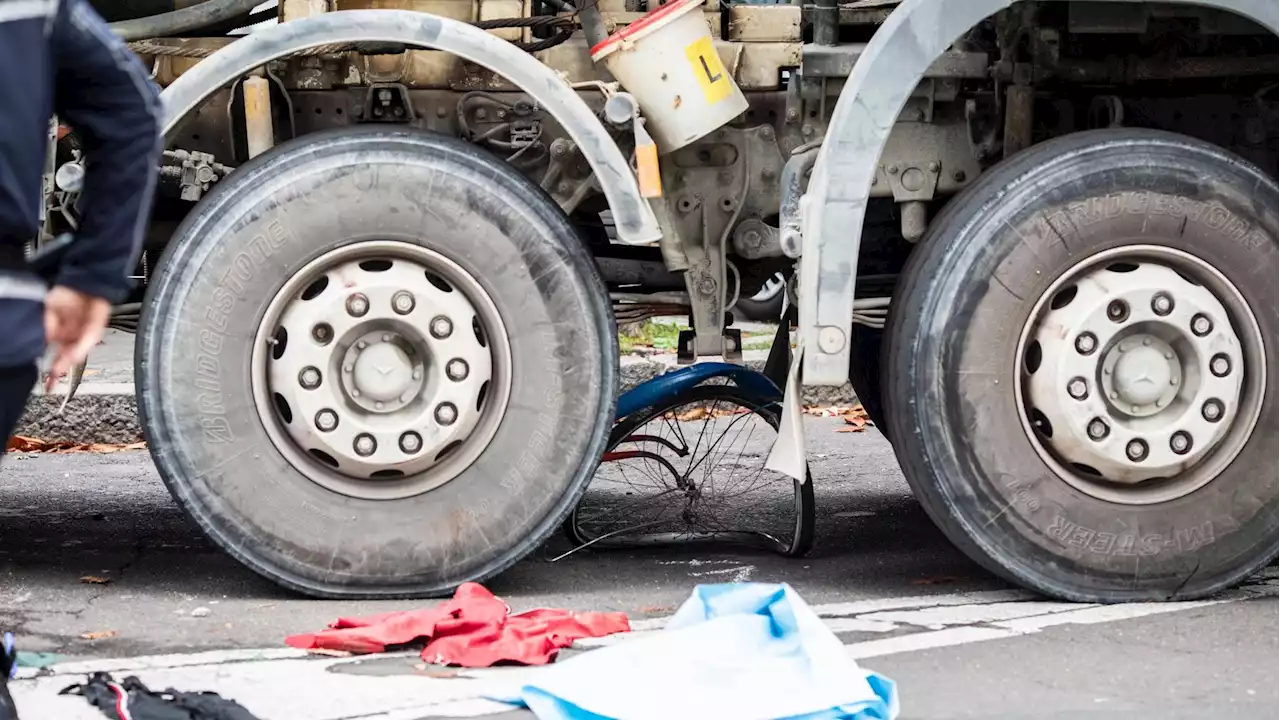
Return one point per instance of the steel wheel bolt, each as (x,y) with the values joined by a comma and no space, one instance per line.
(410,442)
(1136,450)
(326,420)
(1086,343)
(365,445)
(1201,325)
(1220,365)
(1212,410)
(357,305)
(402,302)
(1078,388)
(1161,304)
(457,369)
(1118,311)
(441,327)
(1098,429)
(309,378)
(446,413)
(1180,442)
(322,333)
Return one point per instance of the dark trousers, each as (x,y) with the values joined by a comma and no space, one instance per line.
(15,387)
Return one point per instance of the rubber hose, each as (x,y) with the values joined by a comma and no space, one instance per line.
(183,20)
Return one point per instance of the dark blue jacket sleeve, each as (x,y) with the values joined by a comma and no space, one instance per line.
(107,97)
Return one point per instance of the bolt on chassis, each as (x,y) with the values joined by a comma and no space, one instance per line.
(376,349)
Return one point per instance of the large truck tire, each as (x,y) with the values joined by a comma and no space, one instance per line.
(1081,378)
(377,363)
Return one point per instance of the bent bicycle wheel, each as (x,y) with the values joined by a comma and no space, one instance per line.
(692,469)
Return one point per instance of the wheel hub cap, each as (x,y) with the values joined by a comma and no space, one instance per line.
(1140,375)
(1133,374)
(383,377)
(385,369)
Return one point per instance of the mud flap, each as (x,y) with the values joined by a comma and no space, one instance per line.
(788,453)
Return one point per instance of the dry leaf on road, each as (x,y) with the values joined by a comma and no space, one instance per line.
(95,580)
(855,416)
(98,635)
(22,443)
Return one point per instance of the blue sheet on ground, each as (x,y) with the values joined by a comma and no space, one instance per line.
(739,650)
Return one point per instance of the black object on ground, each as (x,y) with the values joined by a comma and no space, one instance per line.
(8,659)
(131,700)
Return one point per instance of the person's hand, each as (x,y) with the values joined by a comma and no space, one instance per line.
(73,322)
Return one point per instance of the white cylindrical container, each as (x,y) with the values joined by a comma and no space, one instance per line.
(668,61)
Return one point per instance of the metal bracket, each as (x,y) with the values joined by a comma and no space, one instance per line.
(713,186)
(567,192)
(731,339)
(754,239)
(387,103)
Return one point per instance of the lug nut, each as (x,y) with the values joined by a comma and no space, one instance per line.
(309,378)
(1086,343)
(1201,325)
(1136,450)
(1098,429)
(322,333)
(441,327)
(402,302)
(411,442)
(1180,442)
(1212,410)
(357,305)
(446,413)
(1078,388)
(326,420)
(457,369)
(365,445)
(1118,311)
(1220,365)
(1161,303)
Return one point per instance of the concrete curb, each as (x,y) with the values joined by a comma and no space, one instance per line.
(108,412)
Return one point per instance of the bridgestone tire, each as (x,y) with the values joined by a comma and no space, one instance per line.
(310,196)
(969,289)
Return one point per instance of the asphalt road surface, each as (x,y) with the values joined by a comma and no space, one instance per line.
(978,649)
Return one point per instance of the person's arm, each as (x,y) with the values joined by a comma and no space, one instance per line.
(106,96)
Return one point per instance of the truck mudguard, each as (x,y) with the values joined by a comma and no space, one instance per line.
(916,33)
(634,219)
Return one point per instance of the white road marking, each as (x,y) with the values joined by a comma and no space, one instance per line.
(280,683)
(738,574)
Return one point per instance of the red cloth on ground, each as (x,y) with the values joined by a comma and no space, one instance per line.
(474,629)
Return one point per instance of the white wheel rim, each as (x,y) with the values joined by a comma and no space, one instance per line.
(381,370)
(1141,374)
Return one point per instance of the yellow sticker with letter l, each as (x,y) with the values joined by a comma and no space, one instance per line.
(706,65)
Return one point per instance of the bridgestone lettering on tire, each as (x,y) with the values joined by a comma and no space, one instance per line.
(1091,485)
(358,531)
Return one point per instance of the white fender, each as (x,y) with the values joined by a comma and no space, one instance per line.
(833,209)
(635,220)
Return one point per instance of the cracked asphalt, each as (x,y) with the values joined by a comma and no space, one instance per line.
(69,521)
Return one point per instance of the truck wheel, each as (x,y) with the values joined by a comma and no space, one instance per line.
(1081,379)
(377,364)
